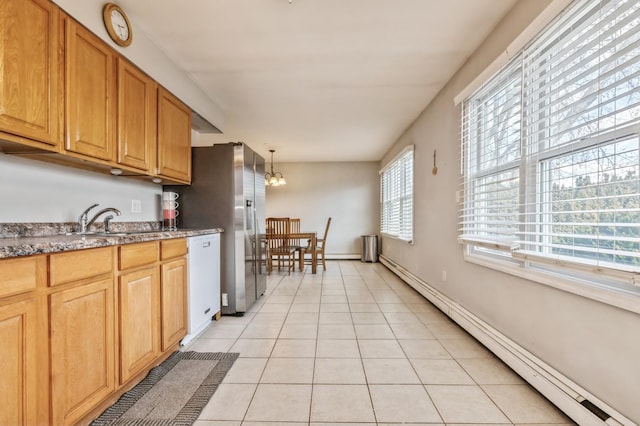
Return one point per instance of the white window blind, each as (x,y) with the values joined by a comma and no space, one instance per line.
(576,184)
(396,196)
(491,151)
(581,115)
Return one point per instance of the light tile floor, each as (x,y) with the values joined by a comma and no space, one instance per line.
(356,346)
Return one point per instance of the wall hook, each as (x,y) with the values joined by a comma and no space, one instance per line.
(434,171)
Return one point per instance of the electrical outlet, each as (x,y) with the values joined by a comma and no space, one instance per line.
(444,275)
(225,299)
(136,206)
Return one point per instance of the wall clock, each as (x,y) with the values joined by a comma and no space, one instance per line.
(117,24)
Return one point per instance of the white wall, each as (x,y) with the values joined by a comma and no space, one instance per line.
(33,191)
(594,344)
(347,192)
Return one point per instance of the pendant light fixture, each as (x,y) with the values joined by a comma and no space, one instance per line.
(273,178)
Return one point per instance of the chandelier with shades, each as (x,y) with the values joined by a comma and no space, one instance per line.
(273,178)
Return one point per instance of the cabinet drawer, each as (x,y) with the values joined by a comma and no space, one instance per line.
(80,264)
(134,255)
(173,248)
(21,275)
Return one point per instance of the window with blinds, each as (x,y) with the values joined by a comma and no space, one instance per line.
(551,150)
(491,150)
(396,196)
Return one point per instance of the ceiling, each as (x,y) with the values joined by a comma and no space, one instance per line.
(317,80)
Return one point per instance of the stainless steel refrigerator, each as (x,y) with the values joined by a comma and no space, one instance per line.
(227,190)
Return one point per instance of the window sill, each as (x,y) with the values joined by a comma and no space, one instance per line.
(610,295)
(394,237)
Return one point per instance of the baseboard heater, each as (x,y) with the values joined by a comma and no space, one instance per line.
(577,403)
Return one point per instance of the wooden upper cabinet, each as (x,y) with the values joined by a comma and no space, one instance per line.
(174,138)
(137,111)
(30,98)
(90,95)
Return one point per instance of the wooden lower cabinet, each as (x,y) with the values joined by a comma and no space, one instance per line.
(173,301)
(139,320)
(18,350)
(78,333)
(82,349)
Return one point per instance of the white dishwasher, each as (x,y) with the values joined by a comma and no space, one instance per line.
(203,288)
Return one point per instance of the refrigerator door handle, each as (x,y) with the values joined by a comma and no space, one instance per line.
(249,215)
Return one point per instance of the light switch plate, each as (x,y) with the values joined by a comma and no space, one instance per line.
(136,206)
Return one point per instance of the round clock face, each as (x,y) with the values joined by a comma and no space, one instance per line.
(119,25)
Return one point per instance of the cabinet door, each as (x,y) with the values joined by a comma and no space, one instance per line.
(139,294)
(18,381)
(29,71)
(174,137)
(137,114)
(173,302)
(82,349)
(90,94)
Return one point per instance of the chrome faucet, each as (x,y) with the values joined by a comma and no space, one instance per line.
(83,219)
(107,223)
(85,222)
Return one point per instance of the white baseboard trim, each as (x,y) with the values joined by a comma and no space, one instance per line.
(567,395)
(343,256)
(340,256)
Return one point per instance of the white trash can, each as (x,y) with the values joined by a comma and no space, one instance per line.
(369,248)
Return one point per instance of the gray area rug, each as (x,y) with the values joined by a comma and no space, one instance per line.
(173,393)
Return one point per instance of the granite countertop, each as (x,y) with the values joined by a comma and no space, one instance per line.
(15,246)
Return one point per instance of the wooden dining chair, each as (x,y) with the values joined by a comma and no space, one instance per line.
(278,243)
(320,247)
(294,243)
